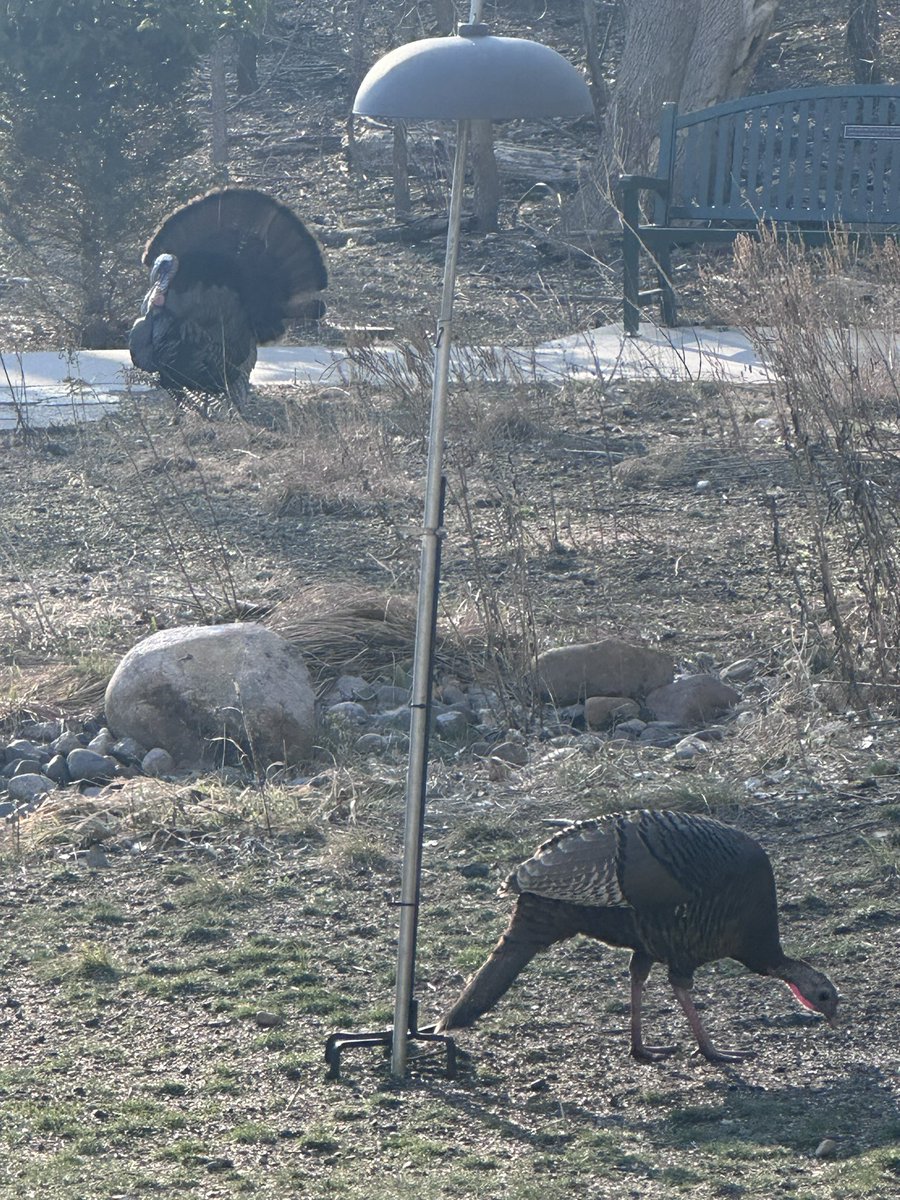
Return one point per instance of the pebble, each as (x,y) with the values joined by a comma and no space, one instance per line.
(348,712)
(740,671)
(57,769)
(452,693)
(48,754)
(389,696)
(102,743)
(66,743)
(631,728)
(128,751)
(22,748)
(42,731)
(658,733)
(475,870)
(395,718)
(88,764)
(371,743)
(29,789)
(826,1148)
(349,687)
(96,858)
(157,762)
(452,724)
(23,766)
(511,752)
(691,747)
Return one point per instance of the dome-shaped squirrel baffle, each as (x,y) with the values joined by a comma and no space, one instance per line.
(473,75)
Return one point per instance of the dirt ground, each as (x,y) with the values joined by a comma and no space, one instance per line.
(163,1019)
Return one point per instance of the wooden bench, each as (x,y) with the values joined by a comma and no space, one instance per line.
(803,163)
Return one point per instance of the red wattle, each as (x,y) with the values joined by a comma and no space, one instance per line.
(799,995)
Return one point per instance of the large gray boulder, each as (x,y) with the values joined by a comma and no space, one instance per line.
(207,693)
(568,674)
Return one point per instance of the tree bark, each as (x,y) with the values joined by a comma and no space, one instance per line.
(218,103)
(400,171)
(360,51)
(695,52)
(245,61)
(486,177)
(595,42)
(444,16)
(864,41)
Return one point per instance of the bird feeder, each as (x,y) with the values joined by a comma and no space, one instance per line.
(471,75)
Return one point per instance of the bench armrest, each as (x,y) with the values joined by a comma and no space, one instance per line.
(629,191)
(643,183)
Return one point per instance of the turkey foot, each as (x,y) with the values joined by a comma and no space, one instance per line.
(652,1054)
(704,1045)
(711,1054)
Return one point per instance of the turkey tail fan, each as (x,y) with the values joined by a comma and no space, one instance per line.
(254,244)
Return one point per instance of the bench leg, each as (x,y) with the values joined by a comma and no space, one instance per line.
(631,263)
(668,303)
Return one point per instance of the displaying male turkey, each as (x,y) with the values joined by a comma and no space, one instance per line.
(228,270)
(673,888)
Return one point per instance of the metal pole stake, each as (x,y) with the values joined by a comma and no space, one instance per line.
(423,655)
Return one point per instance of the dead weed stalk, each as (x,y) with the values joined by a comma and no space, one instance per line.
(827,324)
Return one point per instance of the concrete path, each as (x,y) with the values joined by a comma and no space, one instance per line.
(48,388)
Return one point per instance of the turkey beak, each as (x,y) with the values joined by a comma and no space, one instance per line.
(155,298)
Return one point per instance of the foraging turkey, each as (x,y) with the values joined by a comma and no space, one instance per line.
(673,888)
(228,270)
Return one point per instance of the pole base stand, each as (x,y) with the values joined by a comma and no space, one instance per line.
(338,1042)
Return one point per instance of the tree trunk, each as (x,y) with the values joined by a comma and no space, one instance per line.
(245,62)
(487,180)
(360,54)
(864,41)
(218,102)
(595,43)
(444,16)
(400,171)
(695,52)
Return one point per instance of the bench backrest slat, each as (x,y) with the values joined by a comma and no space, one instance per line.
(892,180)
(878,174)
(750,178)
(810,155)
(816,167)
(666,155)
(829,201)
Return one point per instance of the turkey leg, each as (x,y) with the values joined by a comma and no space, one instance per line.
(640,968)
(704,1045)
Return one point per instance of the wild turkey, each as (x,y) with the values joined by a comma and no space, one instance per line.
(228,270)
(673,888)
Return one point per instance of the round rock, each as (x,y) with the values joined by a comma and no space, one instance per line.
(201,691)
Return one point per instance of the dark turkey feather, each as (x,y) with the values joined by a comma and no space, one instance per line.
(673,888)
(228,270)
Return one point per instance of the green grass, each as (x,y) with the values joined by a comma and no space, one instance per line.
(153,1069)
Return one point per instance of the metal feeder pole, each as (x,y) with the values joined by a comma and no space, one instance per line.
(429,582)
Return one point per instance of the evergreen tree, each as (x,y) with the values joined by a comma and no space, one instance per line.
(92,117)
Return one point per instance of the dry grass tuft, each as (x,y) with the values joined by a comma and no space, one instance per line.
(371,633)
